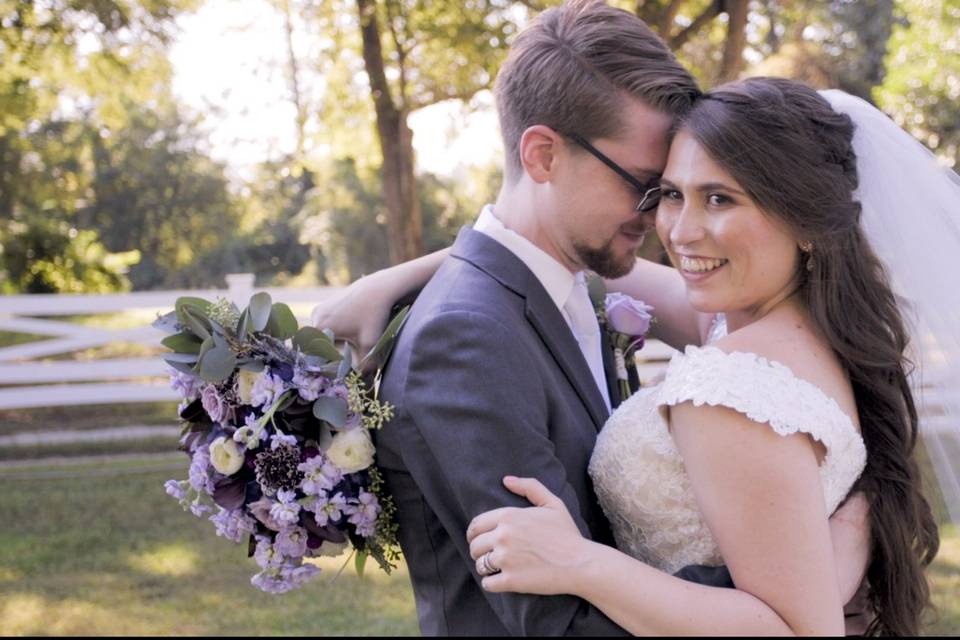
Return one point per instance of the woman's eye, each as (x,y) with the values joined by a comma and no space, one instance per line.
(718,199)
(671,194)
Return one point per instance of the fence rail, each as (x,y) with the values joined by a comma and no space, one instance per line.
(30,382)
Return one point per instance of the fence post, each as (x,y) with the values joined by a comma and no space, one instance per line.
(240,287)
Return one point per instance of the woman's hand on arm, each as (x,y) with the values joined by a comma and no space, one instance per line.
(538,549)
(761,496)
(359,313)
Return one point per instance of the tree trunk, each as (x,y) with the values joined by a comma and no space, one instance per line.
(735,41)
(404,223)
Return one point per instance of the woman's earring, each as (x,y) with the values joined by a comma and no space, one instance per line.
(807,247)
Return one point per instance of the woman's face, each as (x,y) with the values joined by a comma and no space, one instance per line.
(733,257)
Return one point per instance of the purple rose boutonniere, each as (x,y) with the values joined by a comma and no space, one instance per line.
(626,321)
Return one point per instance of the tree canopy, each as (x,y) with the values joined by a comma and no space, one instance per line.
(107,182)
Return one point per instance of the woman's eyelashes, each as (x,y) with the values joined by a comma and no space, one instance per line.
(711,199)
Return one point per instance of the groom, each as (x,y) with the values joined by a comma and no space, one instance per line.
(499,369)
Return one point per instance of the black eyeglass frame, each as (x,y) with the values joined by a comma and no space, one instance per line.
(651,195)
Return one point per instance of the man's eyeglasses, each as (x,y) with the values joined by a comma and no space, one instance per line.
(651,195)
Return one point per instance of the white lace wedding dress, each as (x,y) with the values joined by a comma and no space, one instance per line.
(638,473)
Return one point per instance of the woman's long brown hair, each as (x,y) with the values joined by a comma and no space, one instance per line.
(793,154)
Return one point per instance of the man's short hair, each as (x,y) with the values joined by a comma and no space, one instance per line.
(575,66)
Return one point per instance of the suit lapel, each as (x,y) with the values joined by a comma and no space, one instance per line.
(501,264)
(556,335)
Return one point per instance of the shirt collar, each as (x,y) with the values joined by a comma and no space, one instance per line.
(555,278)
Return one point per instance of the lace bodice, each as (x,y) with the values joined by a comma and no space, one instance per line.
(638,473)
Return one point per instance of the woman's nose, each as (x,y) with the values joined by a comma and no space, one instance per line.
(687,226)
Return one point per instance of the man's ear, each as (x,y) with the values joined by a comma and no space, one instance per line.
(539,150)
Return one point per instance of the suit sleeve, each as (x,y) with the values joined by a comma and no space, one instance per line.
(480,413)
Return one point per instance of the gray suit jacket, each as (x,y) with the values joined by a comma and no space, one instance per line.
(488,380)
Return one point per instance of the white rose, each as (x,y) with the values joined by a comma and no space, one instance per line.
(225,456)
(245,381)
(352,450)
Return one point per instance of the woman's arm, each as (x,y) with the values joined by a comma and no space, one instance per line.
(761,496)
(359,313)
(678,324)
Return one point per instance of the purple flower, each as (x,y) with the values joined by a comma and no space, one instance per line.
(266,389)
(234,525)
(199,474)
(287,511)
(185,384)
(251,434)
(176,489)
(199,510)
(285,578)
(266,554)
(261,511)
(328,509)
(309,386)
(364,512)
(627,315)
(280,440)
(319,475)
(292,542)
(341,391)
(215,406)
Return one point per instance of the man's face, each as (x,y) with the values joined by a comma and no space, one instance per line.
(595,224)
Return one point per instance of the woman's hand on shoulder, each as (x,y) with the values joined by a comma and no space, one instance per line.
(358,313)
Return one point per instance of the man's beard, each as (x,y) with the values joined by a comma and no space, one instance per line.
(603,261)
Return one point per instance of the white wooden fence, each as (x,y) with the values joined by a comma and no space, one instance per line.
(29,382)
(26,381)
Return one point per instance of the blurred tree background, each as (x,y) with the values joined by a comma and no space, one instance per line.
(107,182)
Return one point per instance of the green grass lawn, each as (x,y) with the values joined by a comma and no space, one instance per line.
(105,551)
(102,550)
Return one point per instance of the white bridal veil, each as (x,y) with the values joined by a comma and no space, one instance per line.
(911,216)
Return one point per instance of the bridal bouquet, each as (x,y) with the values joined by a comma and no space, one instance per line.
(276,422)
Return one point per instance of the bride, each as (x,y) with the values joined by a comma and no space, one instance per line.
(797,394)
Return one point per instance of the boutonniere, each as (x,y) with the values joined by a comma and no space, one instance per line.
(626,322)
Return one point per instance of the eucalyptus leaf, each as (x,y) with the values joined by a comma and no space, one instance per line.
(167,323)
(243,325)
(188,358)
(324,349)
(360,562)
(194,323)
(306,334)
(218,338)
(199,306)
(205,346)
(314,361)
(597,290)
(260,307)
(346,363)
(183,342)
(252,365)
(217,364)
(325,438)
(216,328)
(282,323)
(331,409)
(378,356)
(183,367)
